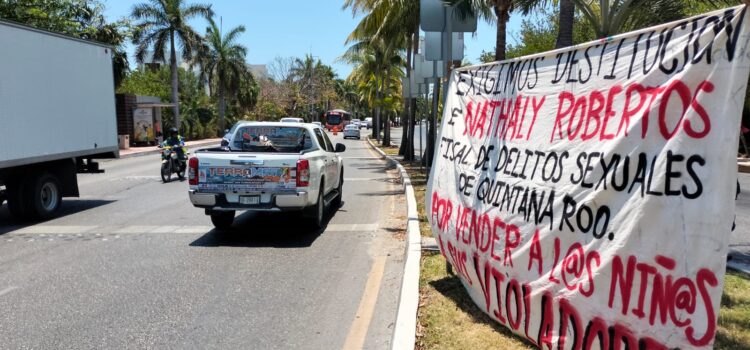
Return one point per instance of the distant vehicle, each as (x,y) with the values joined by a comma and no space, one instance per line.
(337,118)
(272,167)
(368,122)
(318,124)
(292,120)
(352,131)
(57,110)
(359,123)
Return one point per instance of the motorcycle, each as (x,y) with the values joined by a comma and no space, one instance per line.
(172,164)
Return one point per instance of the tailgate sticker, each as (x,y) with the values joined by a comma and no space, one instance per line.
(246,177)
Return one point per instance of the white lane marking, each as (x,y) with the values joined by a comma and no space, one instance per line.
(165,229)
(352,227)
(47,231)
(41,229)
(7,290)
(137,178)
(136,229)
(194,229)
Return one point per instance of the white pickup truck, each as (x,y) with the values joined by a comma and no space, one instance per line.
(269,166)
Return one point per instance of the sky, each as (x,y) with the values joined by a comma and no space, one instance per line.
(294,28)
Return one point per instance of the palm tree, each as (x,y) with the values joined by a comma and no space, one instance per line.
(610,17)
(394,22)
(307,72)
(565,23)
(165,22)
(378,62)
(222,62)
(566,17)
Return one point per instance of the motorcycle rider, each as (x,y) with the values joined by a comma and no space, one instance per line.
(177,143)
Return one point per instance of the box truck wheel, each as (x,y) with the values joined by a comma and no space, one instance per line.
(16,206)
(43,196)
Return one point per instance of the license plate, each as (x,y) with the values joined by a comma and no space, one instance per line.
(249,200)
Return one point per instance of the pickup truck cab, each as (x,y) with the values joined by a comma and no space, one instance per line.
(269,166)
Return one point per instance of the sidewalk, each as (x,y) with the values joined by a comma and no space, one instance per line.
(140,151)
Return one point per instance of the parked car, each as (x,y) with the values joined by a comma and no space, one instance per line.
(351,130)
(271,167)
(368,122)
(292,120)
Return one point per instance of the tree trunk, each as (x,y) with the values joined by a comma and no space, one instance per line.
(387,130)
(387,121)
(502,9)
(175,81)
(404,129)
(413,102)
(567,16)
(410,121)
(222,108)
(405,121)
(376,125)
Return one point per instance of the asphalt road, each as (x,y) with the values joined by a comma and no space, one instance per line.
(420,128)
(131,264)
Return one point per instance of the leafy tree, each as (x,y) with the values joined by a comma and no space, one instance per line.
(315,83)
(222,61)
(540,34)
(377,65)
(566,17)
(78,18)
(247,94)
(610,17)
(165,22)
(395,22)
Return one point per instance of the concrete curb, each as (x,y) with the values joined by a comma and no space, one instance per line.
(156,151)
(404,333)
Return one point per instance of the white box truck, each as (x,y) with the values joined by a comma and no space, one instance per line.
(57,113)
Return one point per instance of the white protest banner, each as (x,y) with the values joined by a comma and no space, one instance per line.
(585,197)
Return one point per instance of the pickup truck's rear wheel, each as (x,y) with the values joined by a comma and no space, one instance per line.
(222,219)
(320,208)
(339,198)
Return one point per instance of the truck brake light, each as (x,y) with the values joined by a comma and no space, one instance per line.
(303,173)
(193,171)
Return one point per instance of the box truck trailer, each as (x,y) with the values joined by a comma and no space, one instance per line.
(57,114)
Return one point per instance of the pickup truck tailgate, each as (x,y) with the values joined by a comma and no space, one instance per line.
(246,172)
